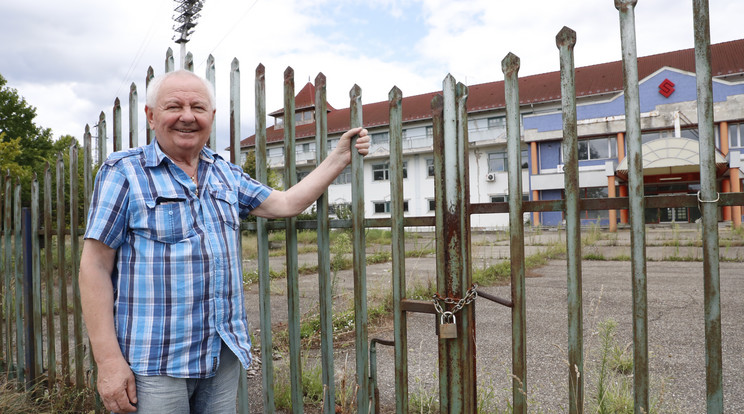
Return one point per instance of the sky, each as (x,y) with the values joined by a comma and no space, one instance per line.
(71,59)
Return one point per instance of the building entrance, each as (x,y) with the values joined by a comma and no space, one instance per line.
(672,214)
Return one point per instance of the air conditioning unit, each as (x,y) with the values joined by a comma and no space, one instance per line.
(491,177)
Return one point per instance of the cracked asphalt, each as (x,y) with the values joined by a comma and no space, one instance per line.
(676,335)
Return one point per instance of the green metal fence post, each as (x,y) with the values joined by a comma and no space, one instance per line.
(149,133)
(75,262)
(18,240)
(9,278)
(133,121)
(457,356)
(708,198)
(210,75)
(359,258)
(565,40)
(262,236)
(293,294)
(170,63)
(49,280)
(637,203)
(38,355)
(61,274)
(510,66)
(325,285)
(395,98)
(117,125)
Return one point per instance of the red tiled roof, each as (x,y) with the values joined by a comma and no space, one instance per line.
(304,99)
(727,58)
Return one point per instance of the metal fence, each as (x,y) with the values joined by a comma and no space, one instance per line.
(41,300)
(24,334)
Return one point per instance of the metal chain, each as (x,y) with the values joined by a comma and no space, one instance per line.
(470,296)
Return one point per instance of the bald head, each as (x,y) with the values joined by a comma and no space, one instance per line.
(153,89)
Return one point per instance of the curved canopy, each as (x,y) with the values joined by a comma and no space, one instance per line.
(671,156)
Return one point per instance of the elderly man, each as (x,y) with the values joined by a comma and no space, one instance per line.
(160,275)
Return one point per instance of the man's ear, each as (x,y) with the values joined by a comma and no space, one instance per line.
(148,116)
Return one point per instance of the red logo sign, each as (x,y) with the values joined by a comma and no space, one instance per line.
(666,88)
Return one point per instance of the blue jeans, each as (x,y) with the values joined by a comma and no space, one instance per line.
(167,395)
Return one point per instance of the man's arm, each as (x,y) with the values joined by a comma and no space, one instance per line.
(297,198)
(115,379)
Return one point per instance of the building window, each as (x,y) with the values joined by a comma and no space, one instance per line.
(275,152)
(430,132)
(279,122)
(304,117)
(594,192)
(432,204)
(381,172)
(497,161)
(690,133)
(344,177)
(736,135)
(503,198)
(380,138)
(430,167)
(498,122)
(305,148)
(597,149)
(384,206)
(332,144)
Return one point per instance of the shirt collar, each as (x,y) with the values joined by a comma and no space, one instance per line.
(154,155)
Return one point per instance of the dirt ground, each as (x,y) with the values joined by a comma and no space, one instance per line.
(675,327)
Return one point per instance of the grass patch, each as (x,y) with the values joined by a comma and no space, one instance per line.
(594,256)
(312,384)
(379,236)
(421,290)
(379,257)
(62,400)
(613,391)
(682,259)
(418,253)
(490,275)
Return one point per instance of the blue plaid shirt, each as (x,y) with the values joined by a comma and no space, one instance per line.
(178,288)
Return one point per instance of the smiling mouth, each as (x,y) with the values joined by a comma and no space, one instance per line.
(186,131)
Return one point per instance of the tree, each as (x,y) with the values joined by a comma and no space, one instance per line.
(26,148)
(17,123)
(249,166)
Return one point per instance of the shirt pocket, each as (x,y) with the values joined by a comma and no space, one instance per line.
(167,219)
(226,206)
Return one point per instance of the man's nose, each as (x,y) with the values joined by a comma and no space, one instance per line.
(187,115)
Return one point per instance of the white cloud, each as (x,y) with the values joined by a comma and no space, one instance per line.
(72,59)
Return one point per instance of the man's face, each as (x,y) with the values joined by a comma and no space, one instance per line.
(182,116)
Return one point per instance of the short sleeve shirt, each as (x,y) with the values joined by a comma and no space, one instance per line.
(178,288)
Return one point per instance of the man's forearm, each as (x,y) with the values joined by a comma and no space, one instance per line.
(97,299)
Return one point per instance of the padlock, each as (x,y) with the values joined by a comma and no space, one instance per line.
(447,326)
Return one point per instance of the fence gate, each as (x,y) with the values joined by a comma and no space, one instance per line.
(452,306)
(457,374)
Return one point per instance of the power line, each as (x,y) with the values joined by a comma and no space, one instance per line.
(237,22)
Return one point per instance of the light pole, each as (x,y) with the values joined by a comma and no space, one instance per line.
(187,13)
